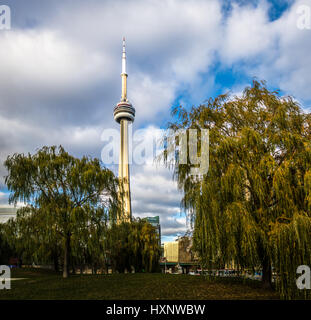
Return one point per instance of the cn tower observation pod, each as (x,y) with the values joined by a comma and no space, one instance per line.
(124,110)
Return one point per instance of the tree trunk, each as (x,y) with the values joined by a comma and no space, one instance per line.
(73,269)
(73,266)
(266,273)
(56,264)
(66,257)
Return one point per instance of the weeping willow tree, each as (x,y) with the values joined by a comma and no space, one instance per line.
(65,196)
(7,250)
(90,240)
(133,245)
(34,236)
(253,205)
(145,245)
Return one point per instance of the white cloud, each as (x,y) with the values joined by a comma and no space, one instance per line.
(277,51)
(154,193)
(150,97)
(60,67)
(248,33)
(291,67)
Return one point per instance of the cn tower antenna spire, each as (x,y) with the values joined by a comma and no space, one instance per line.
(124,58)
(124,74)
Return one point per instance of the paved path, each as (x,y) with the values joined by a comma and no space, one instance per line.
(13,279)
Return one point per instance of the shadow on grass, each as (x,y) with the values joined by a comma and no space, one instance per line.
(47,285)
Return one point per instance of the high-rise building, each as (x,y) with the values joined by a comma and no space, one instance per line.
(155,222)
(124,113)
(179,250)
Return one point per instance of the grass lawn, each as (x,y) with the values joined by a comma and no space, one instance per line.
(45,284)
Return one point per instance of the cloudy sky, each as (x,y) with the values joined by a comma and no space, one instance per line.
(61,63)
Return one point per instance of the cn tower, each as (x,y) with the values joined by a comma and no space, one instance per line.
(124,113)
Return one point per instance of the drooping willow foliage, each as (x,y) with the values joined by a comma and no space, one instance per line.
(70,217)
(95,244)
(134,246)
(63,194)
(34,237)
(253,206)
(6,250)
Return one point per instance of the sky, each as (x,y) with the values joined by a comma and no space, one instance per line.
(61,63)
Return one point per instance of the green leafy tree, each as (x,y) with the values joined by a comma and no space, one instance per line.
(34,236)
(253,205)
(133,245)
(6,249)
(144,244)
(89,242)
(63,191)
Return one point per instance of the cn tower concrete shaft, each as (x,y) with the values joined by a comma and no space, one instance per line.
(124,171)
